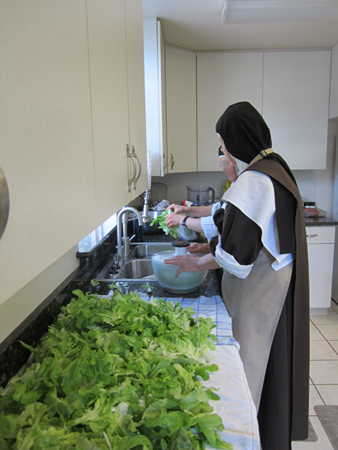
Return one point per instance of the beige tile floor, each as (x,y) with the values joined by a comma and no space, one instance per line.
(323,373)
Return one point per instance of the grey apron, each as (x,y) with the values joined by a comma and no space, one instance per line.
(255,304)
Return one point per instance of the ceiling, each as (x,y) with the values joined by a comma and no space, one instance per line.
(197,25)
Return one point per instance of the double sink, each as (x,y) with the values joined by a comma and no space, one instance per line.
(138,266)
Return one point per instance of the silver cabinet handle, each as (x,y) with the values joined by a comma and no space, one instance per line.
(165,161)
(311,235)
(139,167)
(172,161)
(130,180)
(4,202)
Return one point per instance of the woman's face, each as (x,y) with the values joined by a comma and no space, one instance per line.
(227,164)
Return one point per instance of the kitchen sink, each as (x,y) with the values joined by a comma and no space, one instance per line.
(133,269)
(147,250)
(137,269)
(138,265)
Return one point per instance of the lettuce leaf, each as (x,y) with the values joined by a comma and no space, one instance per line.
(161,220)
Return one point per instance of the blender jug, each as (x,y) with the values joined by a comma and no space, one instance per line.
(200,195)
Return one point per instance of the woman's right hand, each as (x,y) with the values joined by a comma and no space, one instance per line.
(177,208)
(173,219)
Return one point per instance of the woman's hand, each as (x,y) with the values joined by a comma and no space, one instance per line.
(186,263)
(177,208)
(173,219)
(198,248)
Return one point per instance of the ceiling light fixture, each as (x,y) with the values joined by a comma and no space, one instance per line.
(260,11)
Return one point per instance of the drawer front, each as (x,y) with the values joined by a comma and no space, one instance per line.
(320,235)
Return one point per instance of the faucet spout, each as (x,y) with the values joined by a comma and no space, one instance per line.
(123,248)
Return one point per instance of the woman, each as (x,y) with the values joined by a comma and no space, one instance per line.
(201,217)
(262,249)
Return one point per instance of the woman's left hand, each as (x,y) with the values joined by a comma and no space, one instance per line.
(186,263)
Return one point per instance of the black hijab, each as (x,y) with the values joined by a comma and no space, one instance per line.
(245,134)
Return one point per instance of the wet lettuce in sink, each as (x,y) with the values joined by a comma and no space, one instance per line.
(161,220)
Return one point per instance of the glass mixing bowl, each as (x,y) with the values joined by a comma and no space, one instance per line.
(165,274)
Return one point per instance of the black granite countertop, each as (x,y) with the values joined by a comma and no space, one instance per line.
(320,222)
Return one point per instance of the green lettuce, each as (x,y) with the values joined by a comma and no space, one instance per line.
(161,220)
(115,373)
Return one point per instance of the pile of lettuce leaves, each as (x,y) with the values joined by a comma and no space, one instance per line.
(115,373)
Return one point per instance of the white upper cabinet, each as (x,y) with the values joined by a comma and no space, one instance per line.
(334,84)
(223,79)
(290,89)
(109,97)
(296,86)
(181,110)
(46,147)
(72,99)
(154,73)
(118,107)
(136,96)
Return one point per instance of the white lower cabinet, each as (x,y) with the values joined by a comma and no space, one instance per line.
(321,255)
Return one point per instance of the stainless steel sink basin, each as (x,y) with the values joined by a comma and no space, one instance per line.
(147,250)
(137,269)
(138,266)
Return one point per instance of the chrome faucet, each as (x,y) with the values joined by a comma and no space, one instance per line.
(145,213)
(123,241)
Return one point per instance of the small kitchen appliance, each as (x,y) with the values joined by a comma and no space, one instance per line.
(201,195)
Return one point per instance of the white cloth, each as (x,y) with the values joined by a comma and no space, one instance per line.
(235,406)
(253,193)
(207,223)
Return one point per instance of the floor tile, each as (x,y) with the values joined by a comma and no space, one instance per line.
(331,318)
(315,334)
(324,372)
(320,350)
(334,344)
(315,399)
(323,442)
(329,393)
(330,332)
(334,306)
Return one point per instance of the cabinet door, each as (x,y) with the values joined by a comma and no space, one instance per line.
(109,96)
(154,72)
(321,253)
(334,84)
(296,88)
(137,118)
(181,110)
(223,79)
(46,138)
